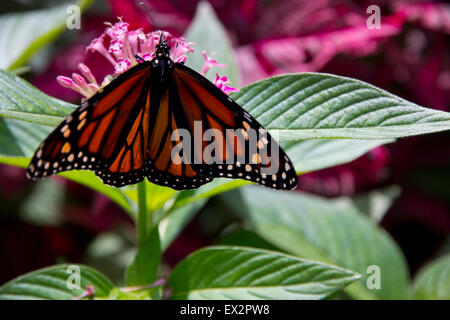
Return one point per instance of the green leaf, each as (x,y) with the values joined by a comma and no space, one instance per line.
(143,268)
(118,294)
(374,204)
(316,154)
(243,237)
(317,229)
(433,281)
(208,34)
(175,221)
(24,33)
(317,105)
(245,273)
(157,196)
(20,102)
(44,205)
(19,138)
(54,283)
(206,191)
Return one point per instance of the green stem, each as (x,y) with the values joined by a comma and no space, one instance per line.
(141,223)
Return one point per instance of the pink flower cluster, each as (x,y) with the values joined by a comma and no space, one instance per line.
(222,84)
(120,47)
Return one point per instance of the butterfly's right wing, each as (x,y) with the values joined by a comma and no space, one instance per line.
(233,144)
(165,166)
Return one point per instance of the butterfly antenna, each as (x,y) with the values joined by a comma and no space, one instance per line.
(144,8)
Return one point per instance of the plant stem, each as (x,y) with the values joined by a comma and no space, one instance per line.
(141,223)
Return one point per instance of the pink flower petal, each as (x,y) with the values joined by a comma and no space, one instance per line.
(122,66)
(67,82)
(209,62)
(221,83)
(124,45)
(86,72)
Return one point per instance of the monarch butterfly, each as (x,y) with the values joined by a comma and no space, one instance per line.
(128,130)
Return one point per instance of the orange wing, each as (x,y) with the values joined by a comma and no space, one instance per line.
(166,167)
(225,141)
(107,133)
(177,129)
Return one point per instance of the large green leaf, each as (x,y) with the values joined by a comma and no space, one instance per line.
(226,272)
(54,283)
(314,228)
(208,34)
(24,33)
(433,281)
(317,105)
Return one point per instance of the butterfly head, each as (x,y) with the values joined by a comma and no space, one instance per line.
(162,50)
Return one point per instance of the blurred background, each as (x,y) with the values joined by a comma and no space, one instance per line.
(55,220)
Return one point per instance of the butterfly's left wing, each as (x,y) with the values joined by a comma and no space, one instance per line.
(107,134)
(236,145)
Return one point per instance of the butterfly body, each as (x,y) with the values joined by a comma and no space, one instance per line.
(131,128)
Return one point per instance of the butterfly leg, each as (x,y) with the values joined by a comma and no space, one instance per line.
(139,58)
